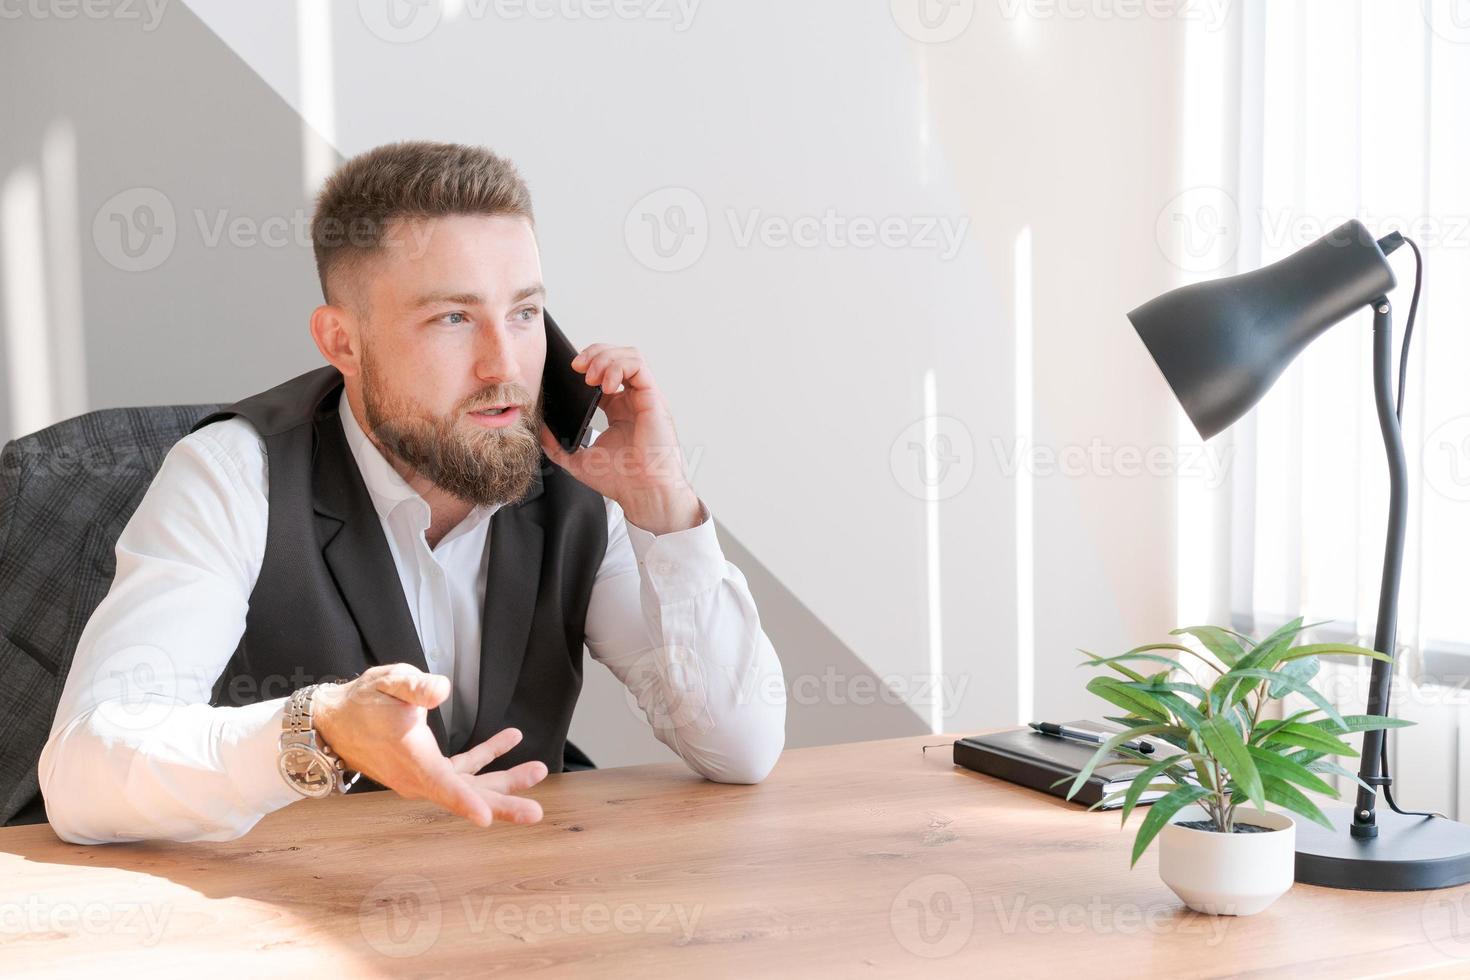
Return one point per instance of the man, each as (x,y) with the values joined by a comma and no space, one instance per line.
(388,566)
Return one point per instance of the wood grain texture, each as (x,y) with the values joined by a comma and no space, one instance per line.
(866,859)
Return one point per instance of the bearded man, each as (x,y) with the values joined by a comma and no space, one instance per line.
(383,573)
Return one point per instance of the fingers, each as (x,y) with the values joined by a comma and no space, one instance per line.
(515,779)
(484,799)
(407,683)
(513,809)
(610,367)
(553,449)
(473,759)
(447,788)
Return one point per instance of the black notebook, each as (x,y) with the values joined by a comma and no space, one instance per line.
(1029,758)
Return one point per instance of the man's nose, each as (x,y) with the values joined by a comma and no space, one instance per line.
(494,360)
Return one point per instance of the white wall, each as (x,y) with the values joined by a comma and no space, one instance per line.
(797,374)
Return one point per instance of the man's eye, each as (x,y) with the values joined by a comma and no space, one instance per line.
(451,317)
(528,314)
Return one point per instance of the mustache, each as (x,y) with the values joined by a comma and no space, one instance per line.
(500,394)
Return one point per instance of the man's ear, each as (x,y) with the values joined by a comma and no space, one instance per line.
(337,333)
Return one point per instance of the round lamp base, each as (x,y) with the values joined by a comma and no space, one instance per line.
(1409,853)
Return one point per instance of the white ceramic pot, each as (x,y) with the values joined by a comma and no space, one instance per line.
(1228,874)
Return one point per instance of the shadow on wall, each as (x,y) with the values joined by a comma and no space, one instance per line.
(154,245)
(832,695)
(155,249)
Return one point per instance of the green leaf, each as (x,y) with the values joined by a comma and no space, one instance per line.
(1229,689)
(1362,723)
(1096,661)
(1141,783)
(1131,674)
(1104,750)
(1292,684)
(1302,671)
(1336,770)
(1226,745)
(1222,643)
(1301,757)
(1175,740)
(1335,649)
(1288,796)
(1163,692)
(1273,766)
(1128,698)
(1159,814)
(1308,737)
(1267,727)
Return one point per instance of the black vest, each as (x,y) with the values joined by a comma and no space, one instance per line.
(329,603)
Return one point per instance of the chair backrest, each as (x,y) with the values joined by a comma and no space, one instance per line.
(66,493)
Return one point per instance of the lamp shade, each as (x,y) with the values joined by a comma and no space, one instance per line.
(1222,344)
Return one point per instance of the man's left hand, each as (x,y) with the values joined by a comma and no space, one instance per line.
(637,460)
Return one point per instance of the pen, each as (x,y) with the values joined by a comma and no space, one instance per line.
(1061,731)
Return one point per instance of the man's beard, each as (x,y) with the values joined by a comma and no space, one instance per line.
(479,466)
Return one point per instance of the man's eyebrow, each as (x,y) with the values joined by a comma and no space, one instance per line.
(474,299)
(528,291)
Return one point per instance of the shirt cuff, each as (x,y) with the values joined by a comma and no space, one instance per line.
(680,564)
(250,744)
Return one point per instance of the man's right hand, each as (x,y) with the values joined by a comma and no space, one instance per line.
(377,724)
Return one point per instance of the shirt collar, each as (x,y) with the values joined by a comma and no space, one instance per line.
(387,488)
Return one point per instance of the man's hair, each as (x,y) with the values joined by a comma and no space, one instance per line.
(359,203)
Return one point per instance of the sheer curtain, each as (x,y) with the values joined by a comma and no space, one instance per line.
(1362,109)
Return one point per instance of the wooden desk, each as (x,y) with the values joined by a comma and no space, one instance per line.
(856,860)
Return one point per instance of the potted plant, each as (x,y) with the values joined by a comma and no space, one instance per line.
(1221,850)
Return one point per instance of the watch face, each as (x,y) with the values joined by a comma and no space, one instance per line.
(307,771)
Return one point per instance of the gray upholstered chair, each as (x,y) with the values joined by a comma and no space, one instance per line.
(66,493)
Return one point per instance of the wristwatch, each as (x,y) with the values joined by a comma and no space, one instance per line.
(307,763)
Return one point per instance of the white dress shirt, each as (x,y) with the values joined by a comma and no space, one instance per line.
(137,752)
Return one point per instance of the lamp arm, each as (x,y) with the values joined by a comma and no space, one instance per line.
(1381,679)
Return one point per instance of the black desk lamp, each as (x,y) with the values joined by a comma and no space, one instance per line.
(1221,345)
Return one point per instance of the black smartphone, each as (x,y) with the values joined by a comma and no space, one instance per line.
(568,402)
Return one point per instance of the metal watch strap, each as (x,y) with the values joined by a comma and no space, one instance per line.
(296,727)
